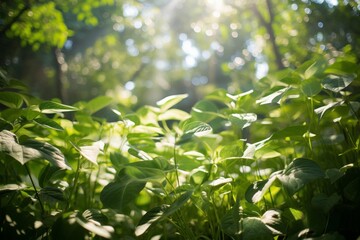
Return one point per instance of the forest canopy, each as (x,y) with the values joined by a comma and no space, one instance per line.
(76,50)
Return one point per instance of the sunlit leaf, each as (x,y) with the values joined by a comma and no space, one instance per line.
(48,123)
(274,221)
(242,120)
(337,83)
(170,101)
(274,97)
(149,218)
(30,150)
(97,104)
(174,114)
(321,110)
(89,221)
(55,107)
(195,128)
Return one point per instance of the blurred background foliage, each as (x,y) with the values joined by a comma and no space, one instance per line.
(140,51)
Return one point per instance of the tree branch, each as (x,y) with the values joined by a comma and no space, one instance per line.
(15,19)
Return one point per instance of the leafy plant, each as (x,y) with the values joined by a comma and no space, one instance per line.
(280,161)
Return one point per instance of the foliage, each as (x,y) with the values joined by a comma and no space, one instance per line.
(278,161)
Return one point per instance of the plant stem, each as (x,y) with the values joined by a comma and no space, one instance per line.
(77,173)
(176,165)
(36,192)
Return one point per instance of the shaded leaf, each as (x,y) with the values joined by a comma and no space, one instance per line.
(311,87)
(254,228)
(121,192)
(11,99)
(298,173)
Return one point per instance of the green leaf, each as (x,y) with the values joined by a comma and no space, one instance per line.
(89,220)
(342,68)
(11,187)
(254,228)
(274,221)
(46,173)
(321,110)
(90,152)
(274,97)
(55,107)
(256,191)
(149,218)
(170,101)
(324,202)
(11,99)
(336,83)
(97,104)
(51,195)
(121,192)
(311,87)
(139,153)
(178,203)
(230,222)
(292,131)
(298,173)
(205,111)
(30,150)
(48,123)
(195,128)
(242,120)
(174,114)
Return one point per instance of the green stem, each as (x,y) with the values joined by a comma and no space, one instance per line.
(176,164)
(36,192)
(77,174)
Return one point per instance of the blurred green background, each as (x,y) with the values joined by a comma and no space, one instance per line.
(140,51)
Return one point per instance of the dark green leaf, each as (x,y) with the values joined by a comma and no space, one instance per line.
(121,192)
(46,173)
(292,131)
(298,173)
(254,228)
(11,99)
